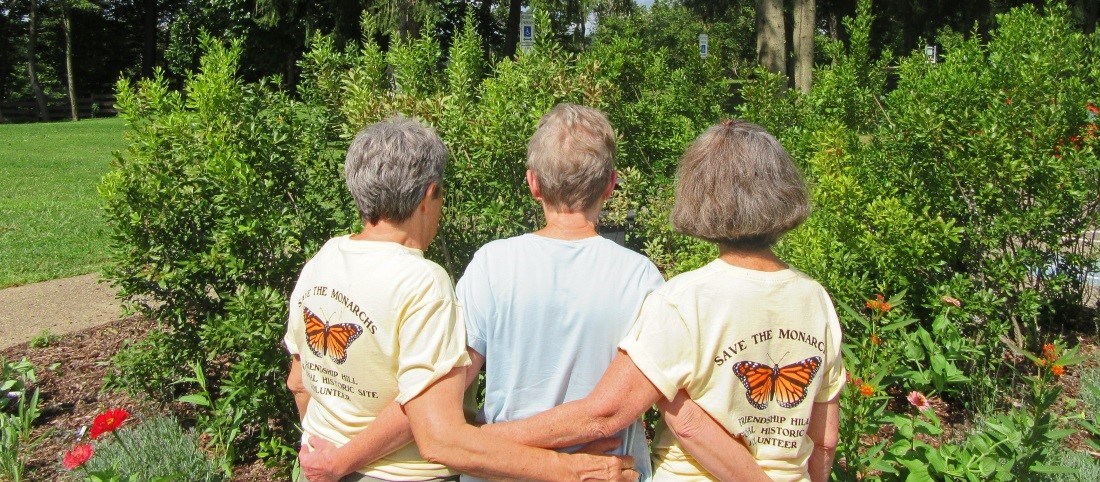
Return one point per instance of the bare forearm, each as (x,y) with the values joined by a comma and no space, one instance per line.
(389,432)
(621,396)
(722,455)
(821,464)
(443,437)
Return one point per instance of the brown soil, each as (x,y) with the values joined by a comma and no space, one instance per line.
(71,368)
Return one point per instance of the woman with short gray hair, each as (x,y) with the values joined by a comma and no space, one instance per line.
(754,343)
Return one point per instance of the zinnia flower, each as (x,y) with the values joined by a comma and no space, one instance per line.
(1058,370)
(77,456)
(866,390)
(108,421)
(917,399)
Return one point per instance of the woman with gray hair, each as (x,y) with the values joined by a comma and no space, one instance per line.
(375,334)
(754,343)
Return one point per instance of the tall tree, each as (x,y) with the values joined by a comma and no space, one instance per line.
(67,7)
(511,28)
(771,35)
(32,62)
(804,26)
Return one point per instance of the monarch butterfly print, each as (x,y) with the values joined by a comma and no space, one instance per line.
(786,385)
(331,340)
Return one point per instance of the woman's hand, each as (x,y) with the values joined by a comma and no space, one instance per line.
(316,459)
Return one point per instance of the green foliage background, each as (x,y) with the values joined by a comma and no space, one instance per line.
(975,178)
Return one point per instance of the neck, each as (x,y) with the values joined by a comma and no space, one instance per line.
(387,231)
(569,225)
(755,259)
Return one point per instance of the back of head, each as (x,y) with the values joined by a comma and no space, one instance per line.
(389,167)
(573,156)
(736,185)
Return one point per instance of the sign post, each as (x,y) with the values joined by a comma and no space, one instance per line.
(526,31)
(704,46)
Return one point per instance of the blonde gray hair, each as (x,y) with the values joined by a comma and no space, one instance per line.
(389,167)
(738,187)
(573,156)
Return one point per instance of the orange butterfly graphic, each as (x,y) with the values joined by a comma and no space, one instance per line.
(331,340)
(786,385)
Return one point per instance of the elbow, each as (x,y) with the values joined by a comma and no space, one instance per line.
(294,383)
(827,443)
(436,445)
(604,420)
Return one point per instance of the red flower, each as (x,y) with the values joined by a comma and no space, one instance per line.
(1092,108)
(917,399)
(77,456)
(108,421)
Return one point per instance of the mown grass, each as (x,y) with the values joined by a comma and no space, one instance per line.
(51,221)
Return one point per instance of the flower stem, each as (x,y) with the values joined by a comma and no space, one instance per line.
(125,448)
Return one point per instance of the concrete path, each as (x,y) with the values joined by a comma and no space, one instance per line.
(60,306)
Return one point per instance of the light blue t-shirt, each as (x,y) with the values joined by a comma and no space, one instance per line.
(547,314)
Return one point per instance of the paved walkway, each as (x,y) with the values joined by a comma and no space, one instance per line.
(60,306)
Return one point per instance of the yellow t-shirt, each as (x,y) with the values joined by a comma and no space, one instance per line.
(754,349)
(373,322)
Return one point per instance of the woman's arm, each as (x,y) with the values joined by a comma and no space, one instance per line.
(443,436)
(724,456)
(388,432)
(824,430)
(620,397)
(297,388)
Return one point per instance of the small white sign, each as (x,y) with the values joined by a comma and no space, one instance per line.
(526,31)
(704,46)
(932,53)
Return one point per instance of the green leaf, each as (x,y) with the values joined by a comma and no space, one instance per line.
(195,399)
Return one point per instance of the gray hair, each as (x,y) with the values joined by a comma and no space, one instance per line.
(738,187)
(389,167)
(573,156)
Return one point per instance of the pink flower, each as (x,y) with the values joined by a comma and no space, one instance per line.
(77,456)
(917,399)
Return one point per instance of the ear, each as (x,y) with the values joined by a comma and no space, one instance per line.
(610,186)
(533,185)
(432,192)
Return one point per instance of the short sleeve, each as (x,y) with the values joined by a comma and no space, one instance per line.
(431,343)
(295,326)
(475,297)
(834,377)
(660,345)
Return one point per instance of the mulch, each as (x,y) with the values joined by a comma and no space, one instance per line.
(70,372)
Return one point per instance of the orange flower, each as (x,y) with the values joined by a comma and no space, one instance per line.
(108,421)
(875,340)
(1058,370)
(77,456)
(879,304)
(1040,362)
(866,390)
(1008,100)
(1049,352)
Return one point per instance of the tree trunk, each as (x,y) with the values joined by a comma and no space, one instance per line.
(32,63)
(804,23)
(1089,8)
(67,27)
(408,26)
(511,29)
(149,38)
(771,35)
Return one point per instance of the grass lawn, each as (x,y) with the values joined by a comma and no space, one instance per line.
(51,221)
